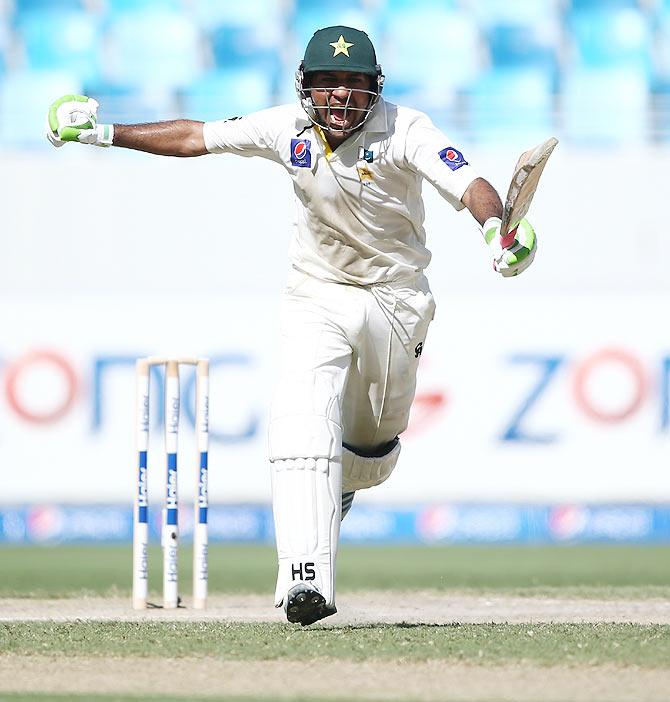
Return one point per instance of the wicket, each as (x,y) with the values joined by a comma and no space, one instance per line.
(170,522)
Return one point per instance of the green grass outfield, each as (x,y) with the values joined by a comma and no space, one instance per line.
(646,646)
(596,572)
(603,571)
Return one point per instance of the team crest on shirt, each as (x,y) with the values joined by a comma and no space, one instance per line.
(365,155)
(301,154)
(453,158)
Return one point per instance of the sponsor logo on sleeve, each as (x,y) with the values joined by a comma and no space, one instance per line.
(453,158)
(301,155)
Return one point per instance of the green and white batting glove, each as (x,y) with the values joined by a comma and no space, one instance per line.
(513,253)
(75,118)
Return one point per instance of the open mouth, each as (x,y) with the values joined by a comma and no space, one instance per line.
(338,115)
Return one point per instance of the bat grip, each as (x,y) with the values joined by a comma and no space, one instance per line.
(508,240)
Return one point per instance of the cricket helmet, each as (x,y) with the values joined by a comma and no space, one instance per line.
(339,48)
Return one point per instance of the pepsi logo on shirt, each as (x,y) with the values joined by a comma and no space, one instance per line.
(301,155)
(453,158)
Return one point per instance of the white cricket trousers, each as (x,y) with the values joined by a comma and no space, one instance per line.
(352,351)
(348,375)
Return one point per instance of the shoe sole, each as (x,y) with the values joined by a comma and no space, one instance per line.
(306,607)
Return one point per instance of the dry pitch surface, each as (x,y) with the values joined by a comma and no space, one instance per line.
(326,678)
(357,609)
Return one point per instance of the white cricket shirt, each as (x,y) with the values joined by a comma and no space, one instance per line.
(359,208)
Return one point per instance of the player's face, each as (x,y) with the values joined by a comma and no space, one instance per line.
(340,98)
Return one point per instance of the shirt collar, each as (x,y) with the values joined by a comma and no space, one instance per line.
(377,120)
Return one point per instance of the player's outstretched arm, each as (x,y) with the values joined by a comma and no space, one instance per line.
(75,118)
(513,253)
(182,137)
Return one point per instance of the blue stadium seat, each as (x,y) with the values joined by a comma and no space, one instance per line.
(131,104)
(511,105)
(326,5)
(227,93)
(522,45)
(265,16)
(120,6)
(236,46)
(612,37)
(419,5)
(22,6)
(24,99)
(661,114)
(661,80)
(661,28)
(153,47)
(68,40)
(5,41)
(605,105)
(445,113)
(438,50)
(491,12)
(602,4)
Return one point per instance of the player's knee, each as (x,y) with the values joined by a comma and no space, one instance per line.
(365,468)
(304,436)
(305,421)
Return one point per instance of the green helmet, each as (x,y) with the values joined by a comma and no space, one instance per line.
(339,48)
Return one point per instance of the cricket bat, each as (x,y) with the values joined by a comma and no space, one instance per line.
(526,176)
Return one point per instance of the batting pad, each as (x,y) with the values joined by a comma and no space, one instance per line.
(360,472)
(306,501)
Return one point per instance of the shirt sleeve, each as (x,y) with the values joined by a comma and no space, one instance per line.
(431,153)
(251,135)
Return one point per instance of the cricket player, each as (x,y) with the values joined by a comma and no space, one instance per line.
(357,305)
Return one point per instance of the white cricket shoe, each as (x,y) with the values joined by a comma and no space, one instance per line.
(304,605)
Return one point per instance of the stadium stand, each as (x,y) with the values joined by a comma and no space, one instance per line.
(586,70)
(66,40)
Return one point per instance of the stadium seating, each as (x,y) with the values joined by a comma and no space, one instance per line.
(301,6)
(603,63)
(509,104)
(47,5)
(239,46)
(521,44)
(491,12)
(227,93)
(157,47)
(391,6)
(437,51)
(67,40)
(661,79)
(119,6)
(602,4)
(612,37)
(132,104)
(265,16)
(24,99)
(605,105)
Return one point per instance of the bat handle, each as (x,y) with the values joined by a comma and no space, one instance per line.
(508,240)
